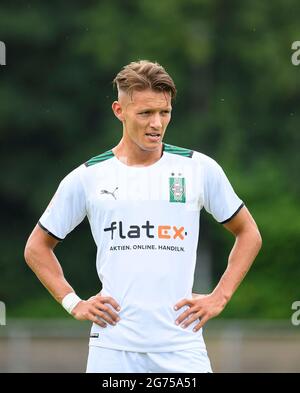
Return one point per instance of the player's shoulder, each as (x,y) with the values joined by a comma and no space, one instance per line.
(204,159)
(178,151)
(195,156)
(82,170)
(100,158)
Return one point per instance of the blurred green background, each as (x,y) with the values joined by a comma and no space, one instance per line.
(238,102)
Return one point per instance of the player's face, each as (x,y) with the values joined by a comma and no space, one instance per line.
(145,116)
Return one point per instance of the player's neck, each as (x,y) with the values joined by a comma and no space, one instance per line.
(132,155)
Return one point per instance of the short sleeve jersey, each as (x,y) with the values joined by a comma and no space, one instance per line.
(145,223)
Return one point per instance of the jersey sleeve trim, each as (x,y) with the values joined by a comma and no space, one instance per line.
(100,158)
(234,214)
(49,233)
(182,151)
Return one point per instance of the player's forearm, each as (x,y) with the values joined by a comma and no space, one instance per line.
(45,265)
(243,254)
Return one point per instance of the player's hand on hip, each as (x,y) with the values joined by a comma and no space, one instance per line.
(97,310)
(200,307)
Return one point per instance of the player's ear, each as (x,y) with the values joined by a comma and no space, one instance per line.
(117,109)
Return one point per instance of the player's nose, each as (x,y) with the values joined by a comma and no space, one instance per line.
(155,121)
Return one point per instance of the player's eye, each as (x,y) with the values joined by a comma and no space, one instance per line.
(144,113)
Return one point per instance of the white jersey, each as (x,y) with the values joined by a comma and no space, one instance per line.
(145,222)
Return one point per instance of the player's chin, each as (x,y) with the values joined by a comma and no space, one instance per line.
(153,146)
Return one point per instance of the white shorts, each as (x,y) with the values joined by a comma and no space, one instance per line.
(105,360)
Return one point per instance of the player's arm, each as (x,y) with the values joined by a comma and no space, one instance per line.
(246,247)
(247,244)
(40,257)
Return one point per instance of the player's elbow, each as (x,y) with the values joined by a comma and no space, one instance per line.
(257,239)
(28,251)
(253,238)
(31,252)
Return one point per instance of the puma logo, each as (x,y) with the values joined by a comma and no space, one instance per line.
(111,193)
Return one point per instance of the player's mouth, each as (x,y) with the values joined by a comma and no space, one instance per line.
(153,136)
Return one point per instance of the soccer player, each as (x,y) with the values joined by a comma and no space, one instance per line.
(143,199)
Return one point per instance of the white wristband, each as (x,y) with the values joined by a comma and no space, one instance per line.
(70,301)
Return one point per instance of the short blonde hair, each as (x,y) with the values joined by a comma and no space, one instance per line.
(143,74)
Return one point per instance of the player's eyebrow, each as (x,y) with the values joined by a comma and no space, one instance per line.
(155,109)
